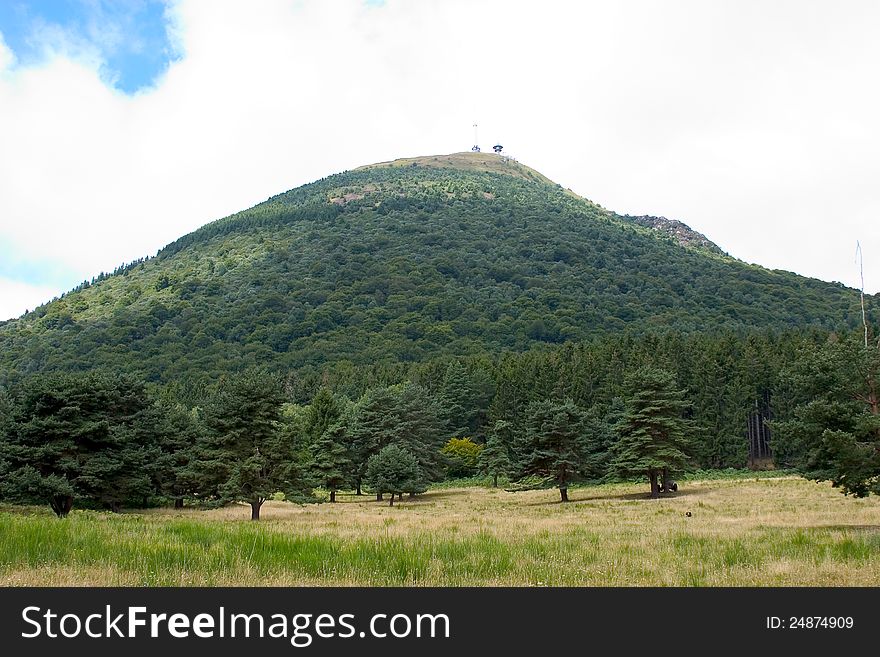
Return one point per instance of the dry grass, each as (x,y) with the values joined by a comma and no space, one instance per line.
(762,532)
(467,161)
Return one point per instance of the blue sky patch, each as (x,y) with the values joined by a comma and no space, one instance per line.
(129,36)
(36,272)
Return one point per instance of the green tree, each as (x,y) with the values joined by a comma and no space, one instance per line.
(394,470)
(459,401)
(87,436)
(553,444)
(832,433)
(375,425)
(330,464)
(653,434)
(404,415)
(420,429)
(322,413)
(180,431)
(598,440)
(463,455)
(5,431)
(246,455)
(494,459)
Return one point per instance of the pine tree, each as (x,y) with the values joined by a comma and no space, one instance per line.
(461,401)
(599,439)
(323,412)
(330,465)
(394,470)
(832,432)
(494,460)
(246,455)
(420,430)
(375,425)
(89,436)
(653,435)
(179,433)
(553,444)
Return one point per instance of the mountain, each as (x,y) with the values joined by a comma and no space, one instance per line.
(403,261)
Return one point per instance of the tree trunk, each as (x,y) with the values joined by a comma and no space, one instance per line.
(563,493)
(114,507)
(255,509)
(61,505)
(379,497)
(495,480)
(178,502)
(391,503)
(664,481)
(332,495)
(655,488)
(358,488)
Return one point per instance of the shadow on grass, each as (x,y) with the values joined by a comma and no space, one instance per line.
(366,498)
(574,498)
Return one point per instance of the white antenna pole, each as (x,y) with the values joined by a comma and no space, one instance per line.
(861,260)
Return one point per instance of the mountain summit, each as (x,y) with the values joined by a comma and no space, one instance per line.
(404,261)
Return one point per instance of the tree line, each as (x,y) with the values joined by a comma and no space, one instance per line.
(536,420)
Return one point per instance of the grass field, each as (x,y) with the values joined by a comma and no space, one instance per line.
(757,531)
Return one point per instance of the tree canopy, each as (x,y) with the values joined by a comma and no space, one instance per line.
(402,265)
(654,437)
(394,470)
(245,455)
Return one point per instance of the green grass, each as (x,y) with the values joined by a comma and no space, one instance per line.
(758,531)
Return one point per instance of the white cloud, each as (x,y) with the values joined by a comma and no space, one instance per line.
(753,122)
(7,59)
(16,297)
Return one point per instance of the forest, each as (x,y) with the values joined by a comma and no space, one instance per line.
(648,407)
(400,265)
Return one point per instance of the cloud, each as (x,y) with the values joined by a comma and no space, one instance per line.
(751,122)
(7,59)
(16,297)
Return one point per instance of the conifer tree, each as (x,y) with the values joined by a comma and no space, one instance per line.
(553,444)
(832,432)
(375,425)
(179,434)
(89,436)
(599,438)
(494,460)
(323,412)
(394,470)
(653,434)
(459,401)
(5,428)
(420,430)
(246,456)
(330,465)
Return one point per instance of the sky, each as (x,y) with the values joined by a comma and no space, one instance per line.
(125,124)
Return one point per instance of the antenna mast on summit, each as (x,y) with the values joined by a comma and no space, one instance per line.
(476,146)
(861,259)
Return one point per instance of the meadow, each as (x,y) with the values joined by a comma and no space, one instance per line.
(755,531)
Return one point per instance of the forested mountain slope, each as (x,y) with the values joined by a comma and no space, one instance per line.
(404,261)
